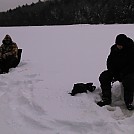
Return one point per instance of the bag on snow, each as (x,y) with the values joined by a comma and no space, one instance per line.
(82,88)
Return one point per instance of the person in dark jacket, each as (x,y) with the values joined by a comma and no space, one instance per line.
(8,54)
(120,67)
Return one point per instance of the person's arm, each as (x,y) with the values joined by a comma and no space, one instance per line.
(129,68)
(110,59)
(111,64)
(15,50)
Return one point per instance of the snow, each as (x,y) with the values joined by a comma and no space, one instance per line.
(34,96)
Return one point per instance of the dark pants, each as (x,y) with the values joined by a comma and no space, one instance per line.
(106,79)
(6,64)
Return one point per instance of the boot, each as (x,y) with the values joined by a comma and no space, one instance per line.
(130,106)
(104,102)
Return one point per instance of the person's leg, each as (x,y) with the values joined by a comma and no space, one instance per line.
(1,66)
(128,84)
(8,63)
(105,82)
(12,61)
(5,68)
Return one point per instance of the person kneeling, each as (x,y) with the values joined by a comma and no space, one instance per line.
(120,67)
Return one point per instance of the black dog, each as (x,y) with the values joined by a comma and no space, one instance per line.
(82,88)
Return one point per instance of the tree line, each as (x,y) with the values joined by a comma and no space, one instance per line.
(66,12)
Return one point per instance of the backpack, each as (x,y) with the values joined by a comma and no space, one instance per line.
(82,88)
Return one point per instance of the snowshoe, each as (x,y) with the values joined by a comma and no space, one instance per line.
(104,102)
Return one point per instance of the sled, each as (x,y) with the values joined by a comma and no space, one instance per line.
(19,58)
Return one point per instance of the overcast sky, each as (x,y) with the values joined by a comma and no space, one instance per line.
(10,4)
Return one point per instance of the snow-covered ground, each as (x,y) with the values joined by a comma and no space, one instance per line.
(34,96)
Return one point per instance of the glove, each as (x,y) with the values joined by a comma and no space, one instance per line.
(117,77)
(4,56)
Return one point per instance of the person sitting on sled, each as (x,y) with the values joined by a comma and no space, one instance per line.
(8,54)
(120,67)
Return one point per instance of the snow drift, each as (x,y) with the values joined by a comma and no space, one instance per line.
(34,96)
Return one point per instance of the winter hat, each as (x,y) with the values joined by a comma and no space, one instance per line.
(121,39)
(7,38)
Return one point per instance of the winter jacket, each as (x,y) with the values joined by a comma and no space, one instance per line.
(8,49)
(121,62)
